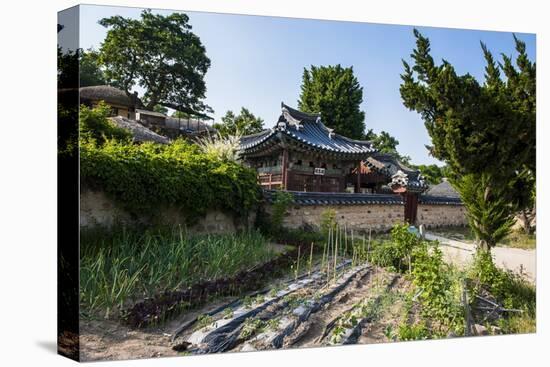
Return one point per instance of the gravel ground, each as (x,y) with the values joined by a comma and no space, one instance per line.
(517,260)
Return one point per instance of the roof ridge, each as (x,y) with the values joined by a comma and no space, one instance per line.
(292,110)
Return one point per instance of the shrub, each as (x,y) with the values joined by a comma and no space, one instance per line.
(95,125)
(385,254)
(509,288)
(441,289)
(146,177)
(413,332)
(281,201)
(405,241)
(328,221)
(398,251)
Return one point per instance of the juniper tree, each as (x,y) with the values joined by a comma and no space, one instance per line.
(485,133)
(334,91)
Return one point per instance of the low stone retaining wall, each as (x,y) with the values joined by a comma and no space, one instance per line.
(360,212)
(96,209)
(364,212)
(360,218)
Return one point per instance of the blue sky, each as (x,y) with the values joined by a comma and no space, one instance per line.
(257,62)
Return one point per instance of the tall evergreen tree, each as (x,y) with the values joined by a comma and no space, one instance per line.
(334,91)
(484,132)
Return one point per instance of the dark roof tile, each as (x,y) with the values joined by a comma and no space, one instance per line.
(307,129)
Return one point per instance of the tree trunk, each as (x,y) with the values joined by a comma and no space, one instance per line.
(483,245)
(526,222)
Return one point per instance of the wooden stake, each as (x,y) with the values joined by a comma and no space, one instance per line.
(310,259)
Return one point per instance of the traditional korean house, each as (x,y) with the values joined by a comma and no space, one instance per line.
(153,118)
(120,103)
(300,153)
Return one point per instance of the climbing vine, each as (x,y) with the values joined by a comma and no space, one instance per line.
(146,177)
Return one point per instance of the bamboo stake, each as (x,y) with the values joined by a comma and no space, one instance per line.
(345,247)
(297,265)
(352,242)
(328,252)
(335,256)
(310,259)
(324,250)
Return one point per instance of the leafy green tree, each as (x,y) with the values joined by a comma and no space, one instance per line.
(160,109)
(245,123)
(432,172)
(335,92)
(180,115)
(385,143)
(94,125)
(67,68)
(90,70)
(484,132)
(160,54)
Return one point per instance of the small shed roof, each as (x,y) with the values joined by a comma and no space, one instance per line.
(444,189)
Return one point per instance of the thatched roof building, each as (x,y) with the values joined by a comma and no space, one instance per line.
(109,94)
(139,132)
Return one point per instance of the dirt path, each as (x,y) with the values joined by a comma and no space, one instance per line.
(517,260)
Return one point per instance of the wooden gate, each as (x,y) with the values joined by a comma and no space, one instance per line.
(411,207)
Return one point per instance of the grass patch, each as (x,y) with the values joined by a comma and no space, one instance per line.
(516,239)
(460,233)
(519,239)
(122,265)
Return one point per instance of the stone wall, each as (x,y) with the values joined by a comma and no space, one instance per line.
(376,217)
(360,218)
(433,215)
(96,209)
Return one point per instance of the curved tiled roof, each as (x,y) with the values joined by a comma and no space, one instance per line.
(338,198)
(309,130)
(443,189)
(439,200)
(390,166)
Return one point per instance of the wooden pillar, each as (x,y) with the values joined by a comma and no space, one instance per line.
(285,169)
(358,188)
